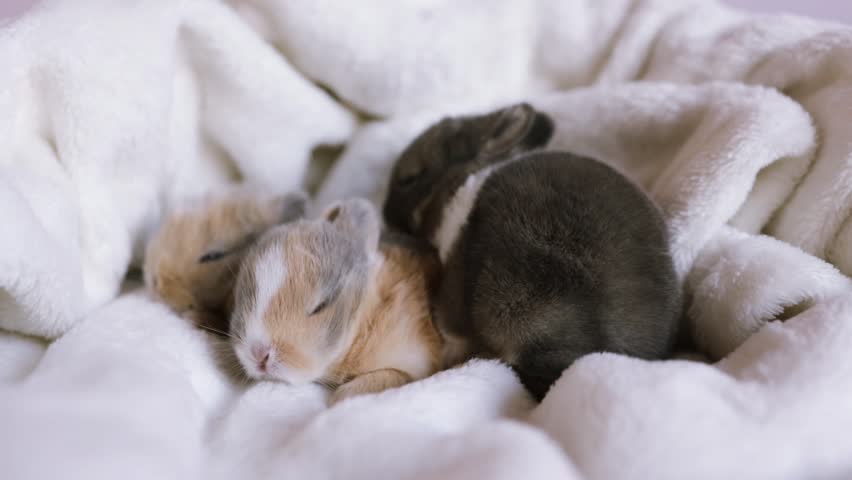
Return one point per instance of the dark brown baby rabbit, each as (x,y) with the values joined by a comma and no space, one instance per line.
(547,256)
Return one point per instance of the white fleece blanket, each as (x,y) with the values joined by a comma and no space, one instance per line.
(736,125)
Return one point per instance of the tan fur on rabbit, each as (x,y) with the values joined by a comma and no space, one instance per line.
(320,301)
(192,260)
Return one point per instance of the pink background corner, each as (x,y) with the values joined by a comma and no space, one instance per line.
(13,8)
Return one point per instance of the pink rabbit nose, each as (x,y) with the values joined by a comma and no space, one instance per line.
(261,356)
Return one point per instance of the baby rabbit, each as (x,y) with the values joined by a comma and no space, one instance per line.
(321,301)
(547,256)
(191,262)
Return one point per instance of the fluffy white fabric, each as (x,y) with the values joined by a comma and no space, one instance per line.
(112,110)
(736,125)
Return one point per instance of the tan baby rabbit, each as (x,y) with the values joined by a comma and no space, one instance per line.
(192,260)
(321,301)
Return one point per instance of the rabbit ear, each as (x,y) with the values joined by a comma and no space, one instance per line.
(516,129)
(356,217)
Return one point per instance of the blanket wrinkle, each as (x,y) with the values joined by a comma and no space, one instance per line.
(742,401)
(101,95)
(736,125)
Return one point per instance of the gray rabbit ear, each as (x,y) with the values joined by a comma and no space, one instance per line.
(516,129)
(290,206)
(357,217)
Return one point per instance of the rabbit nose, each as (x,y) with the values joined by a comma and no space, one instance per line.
(261,356)
(261,364)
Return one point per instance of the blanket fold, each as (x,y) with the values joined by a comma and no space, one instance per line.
(111,123)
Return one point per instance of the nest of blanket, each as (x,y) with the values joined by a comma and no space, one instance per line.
(736,125)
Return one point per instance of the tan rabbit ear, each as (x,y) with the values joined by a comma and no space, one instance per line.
(516,129)
(356,217)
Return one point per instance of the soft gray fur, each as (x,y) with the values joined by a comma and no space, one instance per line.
(329,261)
(559,256)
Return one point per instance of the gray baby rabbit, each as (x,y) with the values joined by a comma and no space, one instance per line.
(547,256)
(333,301)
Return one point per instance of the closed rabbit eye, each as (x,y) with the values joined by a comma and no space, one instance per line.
(319,307)
(212,256)
(408,180)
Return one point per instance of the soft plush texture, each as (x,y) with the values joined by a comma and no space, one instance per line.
(736,125)
(113,110)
